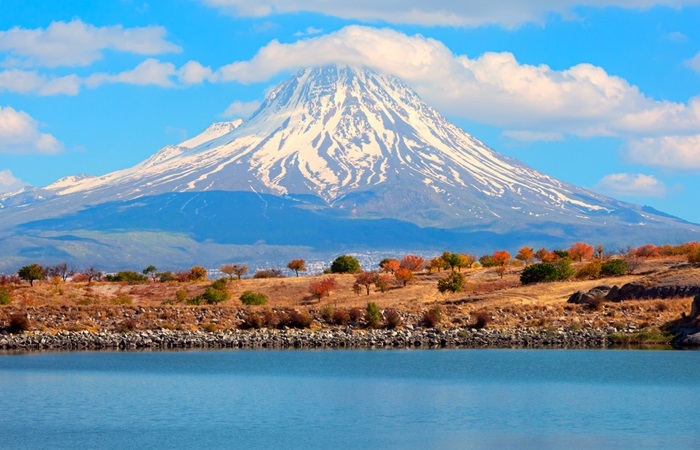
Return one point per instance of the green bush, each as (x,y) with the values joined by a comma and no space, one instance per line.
(5,297)
(128,276)
(253,298)
(219,284)
(453,282)
(212,296)
(614,267)
(564,269)
(373,315)
(538,273)
(194,300)
(345,264)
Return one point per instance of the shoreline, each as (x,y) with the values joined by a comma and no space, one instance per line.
(454,338)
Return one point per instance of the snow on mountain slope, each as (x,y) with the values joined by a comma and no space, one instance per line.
(363,142)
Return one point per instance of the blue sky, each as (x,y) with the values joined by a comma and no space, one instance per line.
(602,94)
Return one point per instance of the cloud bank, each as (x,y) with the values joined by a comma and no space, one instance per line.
(19,134)
(475,13)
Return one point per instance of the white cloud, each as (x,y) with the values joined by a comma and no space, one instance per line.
(149,72)
(26,82)
(9,182)
(241,109)
(631,185)
(193,73)
(673,152)
(694,62)
(76,43)
(19,134)
(309,32)
(494,88)
(506,13)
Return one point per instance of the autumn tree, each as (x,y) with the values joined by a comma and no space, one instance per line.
(414,263)
(465,260)
(526,255)
(322,288)
(436,264)
(31,273)
(580,251)
(501,257)
(197,273)
(228,270)
(647,251)
(297,265)
(404,275)
(383,282)
(390,265)
(366,280)
(545,256)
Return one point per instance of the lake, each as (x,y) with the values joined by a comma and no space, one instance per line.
(351,399)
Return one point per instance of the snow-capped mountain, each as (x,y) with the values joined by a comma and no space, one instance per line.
(363,142)
(328,150)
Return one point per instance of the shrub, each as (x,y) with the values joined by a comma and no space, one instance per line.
(345,264)
(166,276)
(327,313)
(595,303)
(127,276)
(432,317)
(341,317)
(121,300)
(194,300)
(590,270)
(219,284)
(181,295)
(253,298)
(694,256)
(538,273)
(299,319)
(212,296)
(322,288)
(197,273)
(269,273)
(488,261)
(614,267)
(482,320)
(373,315)
(453,282)
(383,282)
(356,314)
(253,320)
(127,325)
(5,297)
(392,318)
(18,323)
(564,269)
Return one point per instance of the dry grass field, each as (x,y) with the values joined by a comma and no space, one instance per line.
(52,306)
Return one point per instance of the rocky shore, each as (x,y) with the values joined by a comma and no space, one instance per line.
(465,338)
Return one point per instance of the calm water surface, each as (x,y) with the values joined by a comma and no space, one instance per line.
(351,399)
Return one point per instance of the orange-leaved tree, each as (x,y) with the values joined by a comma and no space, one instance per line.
(322,288)
(404,275)
(414,263)
(390,264)
(501,257)
(580,251)
(297,265)
(526,255)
